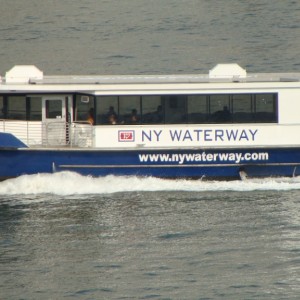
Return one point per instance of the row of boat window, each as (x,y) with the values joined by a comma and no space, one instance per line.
(153,109)
(179,109)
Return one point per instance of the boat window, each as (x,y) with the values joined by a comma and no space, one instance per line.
(53,109)
(265,108)
(152,110)
(192,109)
(35,108)
(175,109)
(84,106)
(2,112)
(242,110)
(16,107)
(129,110)
(197,109)
(219,109)
(107,109)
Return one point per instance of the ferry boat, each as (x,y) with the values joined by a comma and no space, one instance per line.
(226,124)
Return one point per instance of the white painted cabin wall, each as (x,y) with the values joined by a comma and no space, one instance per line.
(289,106)
(206,135)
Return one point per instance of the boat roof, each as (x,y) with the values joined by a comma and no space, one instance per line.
(30,74)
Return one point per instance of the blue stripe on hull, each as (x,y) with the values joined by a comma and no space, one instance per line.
(164,163)
(9,141)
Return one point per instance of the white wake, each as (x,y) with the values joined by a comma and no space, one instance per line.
(68,183)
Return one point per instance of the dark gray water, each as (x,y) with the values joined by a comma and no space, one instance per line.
(149,36)
(69,236)
(64,236)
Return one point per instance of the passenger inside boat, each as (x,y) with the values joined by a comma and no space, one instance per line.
(91,119)
(222,116)
(112,116)
(158,109)
(112,120)
(158,116)
(134,119)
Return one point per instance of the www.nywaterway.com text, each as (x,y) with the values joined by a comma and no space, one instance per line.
(182,158)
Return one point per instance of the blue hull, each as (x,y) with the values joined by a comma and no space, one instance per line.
(188,163)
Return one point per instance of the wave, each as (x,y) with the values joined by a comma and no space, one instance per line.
(69,183)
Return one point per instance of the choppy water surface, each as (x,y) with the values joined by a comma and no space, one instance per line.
(149,36)
(68,236)
(73,237)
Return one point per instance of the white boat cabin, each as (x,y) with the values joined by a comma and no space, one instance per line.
(224,108)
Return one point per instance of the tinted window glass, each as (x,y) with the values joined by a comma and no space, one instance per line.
(265,108)
(129,110)
(242,111)
(35,108)
(16,107)
(197,109)
(2,112)
(175,109)
(181,109)
(107,109)
(84,108)
(219,109)
(152,110)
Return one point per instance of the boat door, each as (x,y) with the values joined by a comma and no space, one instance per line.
(54,117)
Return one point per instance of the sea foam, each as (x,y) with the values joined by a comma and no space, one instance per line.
(68,183)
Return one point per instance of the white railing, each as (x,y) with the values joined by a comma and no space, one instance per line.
(37,133)
(55,134)
(29,132)
(81,135)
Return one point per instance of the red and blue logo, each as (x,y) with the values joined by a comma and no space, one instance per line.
(126,136)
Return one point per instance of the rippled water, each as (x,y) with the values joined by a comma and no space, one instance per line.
(68,236)
(149,36)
